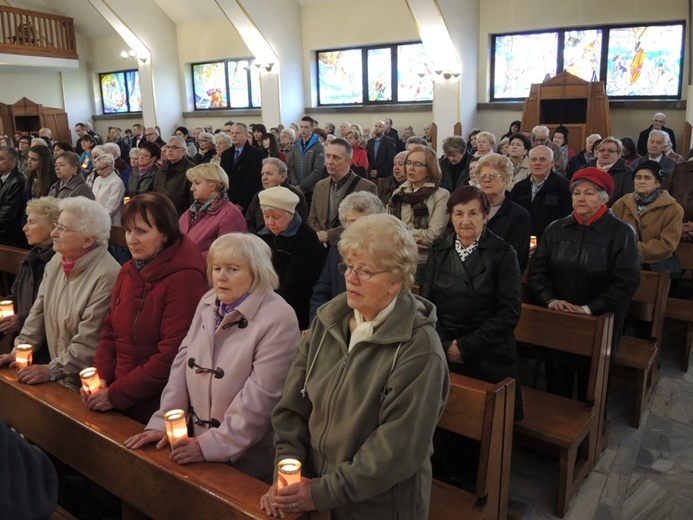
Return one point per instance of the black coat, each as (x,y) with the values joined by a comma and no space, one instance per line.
(596,265)
(245,175)
(446,168)
(478,303)
(513,224)
(382,161)
(12,210)
(622,174)
(645,136)
(552,202)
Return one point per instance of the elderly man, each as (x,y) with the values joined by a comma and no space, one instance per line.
(545,194)
(581,159)
(11,199)
(541,138)
(381,152)
(171,179)
(274,173)
(46,135)
(307,160)
(329,193)
(344,129)
(152,135)
(428,132)
(658,122)
(243,164)
(657,145)
(115,135)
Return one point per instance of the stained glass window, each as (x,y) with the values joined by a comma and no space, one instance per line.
(414,73)
(645,61)
(520,60)
(582,53)
(226,84)
(120,92)
(380,74)
(340,77)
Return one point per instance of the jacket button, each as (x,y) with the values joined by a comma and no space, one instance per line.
(575,251)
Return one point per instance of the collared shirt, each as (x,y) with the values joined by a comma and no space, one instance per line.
(657,159)
(376,145)
(536,187)
(3,179)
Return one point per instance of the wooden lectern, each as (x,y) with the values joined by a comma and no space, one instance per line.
(581,106)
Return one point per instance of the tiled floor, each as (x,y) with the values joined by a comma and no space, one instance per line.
(642,474)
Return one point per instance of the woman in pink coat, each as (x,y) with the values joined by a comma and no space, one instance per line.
(212,214)
(230,369)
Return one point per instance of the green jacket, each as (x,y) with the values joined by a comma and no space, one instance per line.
(362,421)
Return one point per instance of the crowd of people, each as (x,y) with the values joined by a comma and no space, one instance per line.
(244,240)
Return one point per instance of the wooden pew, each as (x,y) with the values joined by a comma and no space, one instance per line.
(117,237)
(568,428)
(146,480)
(678,309)
(10,260)
(483,412)
(636,358)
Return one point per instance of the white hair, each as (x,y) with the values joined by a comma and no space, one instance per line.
(93,221)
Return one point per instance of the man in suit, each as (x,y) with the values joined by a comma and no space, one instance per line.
(658,122)
(243,164)
(11,199)
(329,193)
(381,152)
(657,144)
(137,135)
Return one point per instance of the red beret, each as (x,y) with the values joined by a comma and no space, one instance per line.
(595,176)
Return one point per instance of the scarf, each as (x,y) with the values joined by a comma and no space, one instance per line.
(141,264)
(365,329)
(599,214)
(221,309)
(211,205)
(643,202)
(464,252)
(417,202)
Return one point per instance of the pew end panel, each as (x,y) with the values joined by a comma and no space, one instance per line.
(680,309)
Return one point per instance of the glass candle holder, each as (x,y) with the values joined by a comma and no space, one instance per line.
(23,355)
(6,308)
(126,200)
(288,472)
(176,426)
(90,380)
(532,241)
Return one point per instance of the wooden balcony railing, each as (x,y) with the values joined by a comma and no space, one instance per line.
(34,33)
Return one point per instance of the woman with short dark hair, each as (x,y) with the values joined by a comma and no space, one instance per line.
(141,180)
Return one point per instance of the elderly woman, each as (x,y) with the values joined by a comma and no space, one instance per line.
(207,151)
(70,182)
(73,297)
(359,159)
(608,159)
(366,388)
(560,137)
(585,263)
(142,177)
(518,153)
(389,185)
(134,159)
(211,214)
(108,188)
(222,142)
(507,220)
(230,369)
(274,173)
(41,215)
(40,172)
(331,282)
(153,303)
(656,217)
(420,201)
(454,164)
(297,254)
(485,144)
(287,137)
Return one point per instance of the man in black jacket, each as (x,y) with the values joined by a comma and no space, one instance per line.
(381,152)
(11,199)
(243,164)
(658,122)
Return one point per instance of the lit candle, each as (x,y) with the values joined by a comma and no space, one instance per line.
(6,308)
(176,426)
(288,472)
(23,355)
(90,380)
(126,200)
(532,241)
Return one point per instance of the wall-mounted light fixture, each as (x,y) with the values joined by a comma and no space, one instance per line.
(447,74)
(132,55)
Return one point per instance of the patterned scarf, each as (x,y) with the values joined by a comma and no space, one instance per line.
(415,199)
(643,202)
(464,252)
(211,205)
(221,309)
(141,264)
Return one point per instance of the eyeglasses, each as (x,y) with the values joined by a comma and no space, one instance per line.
(143,155)
(607,150)
(149,134)
(415,164)
(539,159)
(489,176)
(61,229)
(168,147)
(363,273)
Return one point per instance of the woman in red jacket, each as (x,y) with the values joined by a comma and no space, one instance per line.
(153,303)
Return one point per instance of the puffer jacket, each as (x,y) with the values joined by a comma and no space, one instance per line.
(150,314)
(362,421)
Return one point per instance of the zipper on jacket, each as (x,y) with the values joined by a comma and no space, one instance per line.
(331,405)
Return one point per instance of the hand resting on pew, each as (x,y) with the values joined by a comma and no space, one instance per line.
(564,306)
(183,451)
(98,400)
(293,498)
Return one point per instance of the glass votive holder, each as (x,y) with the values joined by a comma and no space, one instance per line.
(532,241)
(6,308)
(288,472)
(23,355)
(90,380)
(176,426)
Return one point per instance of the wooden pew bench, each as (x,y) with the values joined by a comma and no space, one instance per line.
(483,412)
(10,260)
(568,428)
(638,359)
(149,484)
(679,309)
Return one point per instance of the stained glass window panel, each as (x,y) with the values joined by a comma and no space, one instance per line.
(114,93)
(644,61)
(132,79)
(523,59)
(380,75)
(255,89)
(209,85)
(340,77)
(582,53)
(414,73)
(238,83)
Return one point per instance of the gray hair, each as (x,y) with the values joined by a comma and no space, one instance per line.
(99,150)
(415,139)
(93,221)
(224,137)
(104,160)
(601,192)
(489,136)
(281,167)
(38,141)
(207,135)
(388,241)
(453,143)
(210,172)
(363,202)
(134,151)
(541,128)
(179,140)
(113,149)
(497,161)
(48,206)
(666,137)
(290,132)
(242,248)
(545,148)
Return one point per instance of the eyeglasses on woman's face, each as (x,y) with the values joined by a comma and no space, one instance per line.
(364,274)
